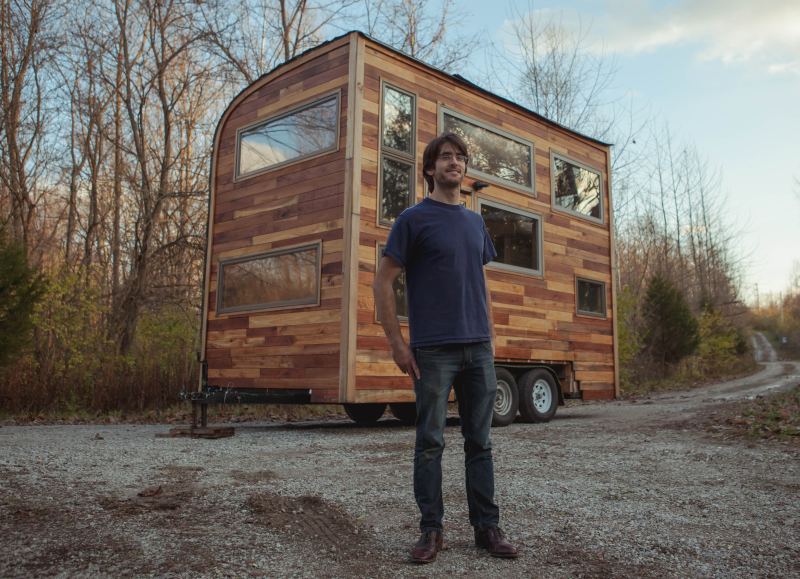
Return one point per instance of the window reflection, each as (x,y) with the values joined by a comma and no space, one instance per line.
(280,279)
(577,189)
(515,236)
(398,120)
(395,188)
(591,297)
(492,153)
(298,134)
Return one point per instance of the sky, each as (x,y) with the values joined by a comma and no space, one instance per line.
(725,76)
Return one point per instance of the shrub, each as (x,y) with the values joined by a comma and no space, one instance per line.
(21,287)
(670,329)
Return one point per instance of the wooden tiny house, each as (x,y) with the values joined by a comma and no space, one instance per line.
(312,163)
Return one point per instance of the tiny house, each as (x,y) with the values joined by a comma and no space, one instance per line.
(311,165)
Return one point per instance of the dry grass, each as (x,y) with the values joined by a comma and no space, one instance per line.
(776,417)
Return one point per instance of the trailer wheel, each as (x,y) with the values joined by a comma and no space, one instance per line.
(405,412)
(507,399)
(538,396)
(364,414)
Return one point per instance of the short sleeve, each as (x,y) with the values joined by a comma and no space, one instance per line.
(398,246)
(489,252)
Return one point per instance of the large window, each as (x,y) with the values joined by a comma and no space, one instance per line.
(590,297)
(576,188)
(278,279)
(306,131)
(399,287)
(398,134)
(493,153)
(516,235)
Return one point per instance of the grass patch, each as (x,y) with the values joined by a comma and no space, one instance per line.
(776,417)
(690,374)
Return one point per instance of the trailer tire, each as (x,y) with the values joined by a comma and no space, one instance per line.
(506,402)
(405,412)
(538,396)
(364,414)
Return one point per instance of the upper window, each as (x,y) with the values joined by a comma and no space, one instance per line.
(516,235)
(493,153)
(277,279)
(304,132)
(576,188)
(591,297)
(398,134)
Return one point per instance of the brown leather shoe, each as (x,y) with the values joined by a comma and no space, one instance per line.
(492,539)
(430,543)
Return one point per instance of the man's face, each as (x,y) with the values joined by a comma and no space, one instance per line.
(448,171)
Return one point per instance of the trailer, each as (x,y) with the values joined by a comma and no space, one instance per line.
(312,163)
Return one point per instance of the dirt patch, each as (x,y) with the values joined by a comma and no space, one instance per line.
(322,526)
(164,497)
(253,477)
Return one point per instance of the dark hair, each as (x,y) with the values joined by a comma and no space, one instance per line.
(432,153)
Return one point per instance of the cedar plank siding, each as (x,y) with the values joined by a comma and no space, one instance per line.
(337,348)
(298,203)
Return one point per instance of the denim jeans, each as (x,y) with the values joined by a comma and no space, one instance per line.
(469,368)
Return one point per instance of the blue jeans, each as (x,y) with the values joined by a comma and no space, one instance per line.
(469,368)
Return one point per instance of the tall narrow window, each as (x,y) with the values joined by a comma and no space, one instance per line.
(398,135)
(493,153)
(277,279)
(576,188)
(306,131)
(516,235)
(399,287)
(590,297)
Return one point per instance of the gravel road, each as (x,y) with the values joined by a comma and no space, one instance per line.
(623,489)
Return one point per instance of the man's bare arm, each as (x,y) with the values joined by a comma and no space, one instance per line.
(387,273)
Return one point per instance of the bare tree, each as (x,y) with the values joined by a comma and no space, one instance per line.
(27,43)
(254,36)
(420,28)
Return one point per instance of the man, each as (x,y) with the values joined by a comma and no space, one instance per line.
(443,248)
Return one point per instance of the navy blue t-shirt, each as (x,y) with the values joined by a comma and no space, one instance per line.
(443,249)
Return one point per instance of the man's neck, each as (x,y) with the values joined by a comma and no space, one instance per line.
(451,196)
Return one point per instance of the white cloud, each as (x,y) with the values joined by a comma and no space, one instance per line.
(765,33)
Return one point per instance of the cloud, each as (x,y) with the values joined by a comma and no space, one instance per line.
(765,33)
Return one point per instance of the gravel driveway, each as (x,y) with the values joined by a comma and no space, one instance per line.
(627,489)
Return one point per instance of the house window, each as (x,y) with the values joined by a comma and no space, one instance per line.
(576,188)
(399,287)
(590,297)
(516,235)
(493,153)
(277,279)
(398,135)
(306,131)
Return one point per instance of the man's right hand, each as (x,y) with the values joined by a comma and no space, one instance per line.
(404,358)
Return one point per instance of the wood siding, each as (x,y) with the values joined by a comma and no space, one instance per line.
(338,349)
(293,204)
(535,316)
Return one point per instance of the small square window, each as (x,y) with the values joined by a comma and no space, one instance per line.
(591,297)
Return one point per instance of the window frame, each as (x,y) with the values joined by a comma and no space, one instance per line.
(270,306)
(539,273)
(471,170)
(559,208)
(580,312)
(379,247)
(404,157)
(306,104)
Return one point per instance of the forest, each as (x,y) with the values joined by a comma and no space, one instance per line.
(108,115)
